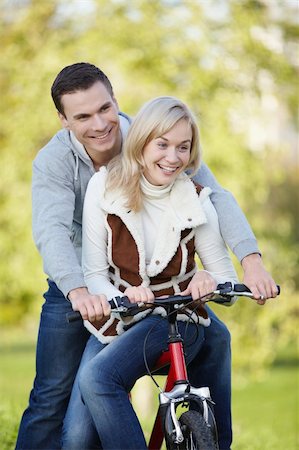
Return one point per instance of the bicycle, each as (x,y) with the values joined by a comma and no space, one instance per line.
(194,428)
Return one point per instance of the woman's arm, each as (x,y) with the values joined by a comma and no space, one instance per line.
(214,256)
(94,242)
(211,249)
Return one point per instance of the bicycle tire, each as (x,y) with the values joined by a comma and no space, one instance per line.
(197,434)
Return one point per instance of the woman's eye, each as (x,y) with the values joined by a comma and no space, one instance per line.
(184,149)
(161,145)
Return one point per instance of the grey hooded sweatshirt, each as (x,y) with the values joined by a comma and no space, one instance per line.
(61,172)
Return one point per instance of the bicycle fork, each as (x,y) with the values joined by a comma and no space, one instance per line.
(182,394)
(177,392)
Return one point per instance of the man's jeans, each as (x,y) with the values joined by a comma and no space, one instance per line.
(108,373)
(212,367)
(59,350)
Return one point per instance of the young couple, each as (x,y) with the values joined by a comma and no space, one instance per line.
(143,220)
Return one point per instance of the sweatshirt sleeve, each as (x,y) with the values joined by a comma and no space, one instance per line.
(53,203)
(95,263)
(234,226)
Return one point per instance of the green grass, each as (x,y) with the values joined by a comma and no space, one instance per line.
(16,374)
(265,413)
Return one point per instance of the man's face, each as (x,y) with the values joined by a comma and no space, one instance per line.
(92,115)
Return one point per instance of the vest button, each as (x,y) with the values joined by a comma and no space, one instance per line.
(157,262)
(189,219)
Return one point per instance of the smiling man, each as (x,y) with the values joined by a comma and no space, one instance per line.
(92,134)
(92,116)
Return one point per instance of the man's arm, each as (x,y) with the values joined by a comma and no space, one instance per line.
(258,279)
(234,226)
(53,203)
(239,236)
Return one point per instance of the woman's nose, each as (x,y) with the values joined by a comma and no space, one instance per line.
(171,155)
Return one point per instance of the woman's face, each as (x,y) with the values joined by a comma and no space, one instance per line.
(166,156)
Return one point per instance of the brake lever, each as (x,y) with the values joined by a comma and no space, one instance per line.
(125,307)
(224,289)
(242,294)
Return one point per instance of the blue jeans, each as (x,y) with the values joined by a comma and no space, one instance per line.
(59,350)
(212,367)
(107,374)
(99,404)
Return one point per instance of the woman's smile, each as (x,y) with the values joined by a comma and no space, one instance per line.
(165,157)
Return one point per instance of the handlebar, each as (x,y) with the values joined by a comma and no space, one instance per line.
(222,294)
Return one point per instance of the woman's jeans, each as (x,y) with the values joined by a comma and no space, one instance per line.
(106,375)
(59,350)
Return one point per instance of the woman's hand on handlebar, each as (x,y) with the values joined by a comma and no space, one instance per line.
(139,294)
(91,307)
(202,283)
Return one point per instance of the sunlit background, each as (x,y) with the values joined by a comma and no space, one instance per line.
(235,63)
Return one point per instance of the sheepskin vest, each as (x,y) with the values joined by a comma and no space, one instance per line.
(125,261)
(172,265)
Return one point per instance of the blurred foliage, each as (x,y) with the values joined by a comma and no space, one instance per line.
(235,62)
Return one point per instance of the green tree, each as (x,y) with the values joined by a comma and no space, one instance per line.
(234,62)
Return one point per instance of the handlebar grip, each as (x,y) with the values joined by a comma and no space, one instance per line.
(73,316)
(243,288)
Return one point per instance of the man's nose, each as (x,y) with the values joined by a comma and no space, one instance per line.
(98,122)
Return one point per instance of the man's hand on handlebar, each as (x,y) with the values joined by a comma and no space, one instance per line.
(257,279)
(202,283)
(139,294)
(91,307)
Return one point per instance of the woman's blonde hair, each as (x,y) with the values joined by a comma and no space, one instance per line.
(154,119)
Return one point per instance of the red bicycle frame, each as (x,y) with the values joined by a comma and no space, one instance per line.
(177,372)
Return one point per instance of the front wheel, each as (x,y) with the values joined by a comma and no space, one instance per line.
(196,432)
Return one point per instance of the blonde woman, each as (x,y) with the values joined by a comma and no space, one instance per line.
(143,221)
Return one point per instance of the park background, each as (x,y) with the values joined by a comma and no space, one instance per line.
(235,63)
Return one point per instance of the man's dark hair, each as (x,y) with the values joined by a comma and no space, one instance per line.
(77,77)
